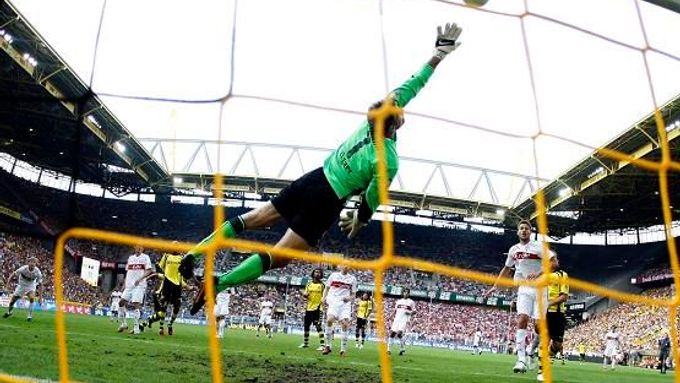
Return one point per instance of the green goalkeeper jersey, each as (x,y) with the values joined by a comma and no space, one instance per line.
(353,167)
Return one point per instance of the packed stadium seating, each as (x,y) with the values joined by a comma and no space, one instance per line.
(639,326)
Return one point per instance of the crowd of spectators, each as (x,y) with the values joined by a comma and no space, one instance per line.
(640,326)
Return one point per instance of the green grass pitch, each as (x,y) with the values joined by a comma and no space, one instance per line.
(97,353)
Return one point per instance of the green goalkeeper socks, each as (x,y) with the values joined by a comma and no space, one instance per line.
(229,229)
(248,270)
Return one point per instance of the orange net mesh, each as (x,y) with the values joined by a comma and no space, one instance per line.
(388,258)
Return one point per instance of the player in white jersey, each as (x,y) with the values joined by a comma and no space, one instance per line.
(266,311)
(404,310)
(525,258)
(613,340)
(341,288)
(138,267)
(221,311)
(476,342)
(115,303)
(29,279)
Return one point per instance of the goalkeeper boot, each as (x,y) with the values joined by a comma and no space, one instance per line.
(186,266)
(199,298)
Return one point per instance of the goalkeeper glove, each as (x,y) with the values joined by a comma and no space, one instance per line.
(447,40)
(350,224)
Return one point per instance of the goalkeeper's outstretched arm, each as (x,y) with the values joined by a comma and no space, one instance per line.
(447,42)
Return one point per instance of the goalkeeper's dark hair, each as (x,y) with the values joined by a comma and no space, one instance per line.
(392,122)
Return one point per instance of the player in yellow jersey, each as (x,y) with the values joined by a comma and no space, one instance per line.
(313,292)
(558,293)
(364,309)
(169,292)
(582,353)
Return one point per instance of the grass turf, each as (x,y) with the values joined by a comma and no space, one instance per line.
(98,354)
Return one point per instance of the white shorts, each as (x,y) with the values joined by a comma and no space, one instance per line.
(134,294)
(610,351)
(22,290)
(340,310)
(475,343)
(527,302)
(265,319)
(221,310)
(399,324)
(114,307)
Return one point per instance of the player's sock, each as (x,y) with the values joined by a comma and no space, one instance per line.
(305,339)
(135,314)
(121,316)
(402,344)
(389,344)
(30,308)
(520,341)
(329,336)
(229,229)
(533,348)
(220,327)
(246,271)
(12,302)
(356,336)
(343,341)
(322,340)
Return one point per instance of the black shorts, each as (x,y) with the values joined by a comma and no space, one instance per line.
(312,317)
(309,205)
(171,293)
(361,322)
(557,322)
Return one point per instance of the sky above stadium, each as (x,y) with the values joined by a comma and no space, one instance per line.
(303,72)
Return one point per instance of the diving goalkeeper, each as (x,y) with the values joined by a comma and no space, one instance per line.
(313,202)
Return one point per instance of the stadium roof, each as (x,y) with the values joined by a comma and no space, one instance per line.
(211,88)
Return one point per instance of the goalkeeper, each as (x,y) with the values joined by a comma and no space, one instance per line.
(313,202)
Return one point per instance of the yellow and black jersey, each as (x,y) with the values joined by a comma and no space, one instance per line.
(559,284)
(169,263)
(364,309)
(314,291)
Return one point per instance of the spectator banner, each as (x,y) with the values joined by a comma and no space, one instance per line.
(392,290)
(90,271)
(108,265)
(651,278)
(14,214)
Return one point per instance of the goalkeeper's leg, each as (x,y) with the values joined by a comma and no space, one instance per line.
(252,268)
(266,215)
(309,205)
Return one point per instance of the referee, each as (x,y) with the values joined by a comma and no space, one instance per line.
(313,292)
